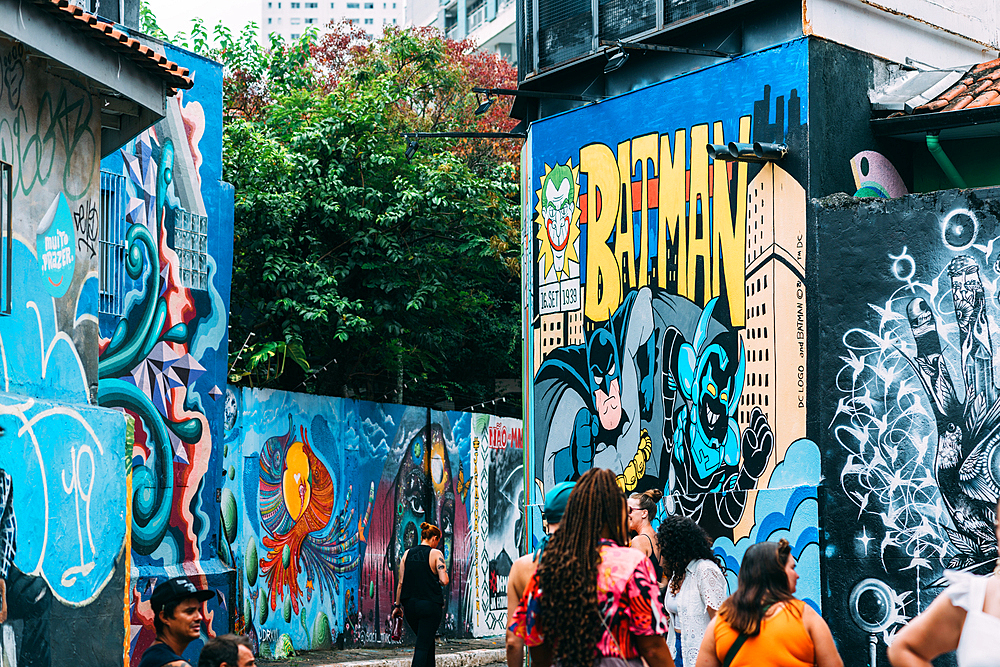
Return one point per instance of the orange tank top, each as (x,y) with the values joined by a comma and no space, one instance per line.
(783,641)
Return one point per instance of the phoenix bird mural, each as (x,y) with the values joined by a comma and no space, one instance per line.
(297,497)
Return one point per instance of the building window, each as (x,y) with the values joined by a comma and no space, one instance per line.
(295,20)
(296,5)
(369,5)
(310,20)
(354,21)
(269,5)
(294,35)
(312,5)
(369,21)
(331,5)
(353,5)
(394,21)
(111,276)
(191,245)
(269,20)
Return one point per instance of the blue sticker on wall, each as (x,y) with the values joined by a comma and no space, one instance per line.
(56,247)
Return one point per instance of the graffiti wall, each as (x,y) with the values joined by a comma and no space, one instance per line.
(62,459)
(666,303)
(322,497)
(909,374)
(164,344)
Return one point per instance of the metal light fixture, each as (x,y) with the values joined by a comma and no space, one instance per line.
(615,60)
(766,151)
(485,106)
(411,148)
(719,152)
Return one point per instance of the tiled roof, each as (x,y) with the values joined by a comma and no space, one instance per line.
(173,74)
(980,87)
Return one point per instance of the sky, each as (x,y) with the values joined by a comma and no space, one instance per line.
(175,15)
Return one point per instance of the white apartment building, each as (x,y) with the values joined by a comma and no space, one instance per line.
(291,18)
(489,23)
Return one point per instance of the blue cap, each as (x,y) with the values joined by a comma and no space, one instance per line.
(555,501)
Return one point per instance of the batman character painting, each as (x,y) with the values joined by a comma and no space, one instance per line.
(659,411)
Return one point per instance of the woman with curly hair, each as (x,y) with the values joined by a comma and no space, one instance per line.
(696,586)
(762,624)
(593,598)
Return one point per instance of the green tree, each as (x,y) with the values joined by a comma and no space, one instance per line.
(398,278)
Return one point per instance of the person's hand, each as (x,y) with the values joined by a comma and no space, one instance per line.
(397,612)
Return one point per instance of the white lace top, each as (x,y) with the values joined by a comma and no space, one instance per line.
(704,586)
(976,647)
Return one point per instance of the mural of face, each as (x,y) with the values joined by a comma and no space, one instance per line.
(605,378)
(714,389)
(558,207)
(420,498)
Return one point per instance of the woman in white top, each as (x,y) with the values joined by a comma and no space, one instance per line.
(696,586)
(965,617)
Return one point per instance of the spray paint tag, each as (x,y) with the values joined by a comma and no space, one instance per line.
(56,247)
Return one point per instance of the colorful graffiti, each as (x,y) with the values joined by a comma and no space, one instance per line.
(62,463)
(163,359)
(324,495)
(667,302)
(916,408)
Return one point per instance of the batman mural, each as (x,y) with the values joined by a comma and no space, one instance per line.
(652,394)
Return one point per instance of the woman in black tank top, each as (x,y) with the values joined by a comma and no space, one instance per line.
(419,596)
(641,509)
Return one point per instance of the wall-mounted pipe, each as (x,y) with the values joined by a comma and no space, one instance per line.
(769,152)
(719,152)
(741,151)
(934,146)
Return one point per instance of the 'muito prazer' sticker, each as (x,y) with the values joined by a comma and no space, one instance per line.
(56,247)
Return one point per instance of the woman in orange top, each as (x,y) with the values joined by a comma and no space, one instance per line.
(780,631)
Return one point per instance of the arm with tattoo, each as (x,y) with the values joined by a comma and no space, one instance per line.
(437,561)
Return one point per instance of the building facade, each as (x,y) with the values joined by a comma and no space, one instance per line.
(290,19)
(781,358)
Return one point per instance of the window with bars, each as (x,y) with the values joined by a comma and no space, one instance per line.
(111,279)
(191,246)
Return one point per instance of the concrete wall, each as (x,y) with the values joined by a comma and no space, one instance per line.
(64,457)
(163,356)
(323,495)
(679,282)
(909,335)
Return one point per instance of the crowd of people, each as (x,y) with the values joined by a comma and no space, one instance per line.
(606,589)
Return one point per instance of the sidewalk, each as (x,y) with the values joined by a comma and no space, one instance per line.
(449,653)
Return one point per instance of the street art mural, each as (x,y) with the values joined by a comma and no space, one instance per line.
(322,496)
(666,301)
(164,342)
(913,411)
(62,462)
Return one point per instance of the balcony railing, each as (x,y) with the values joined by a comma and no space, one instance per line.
(476,17)
(554,32)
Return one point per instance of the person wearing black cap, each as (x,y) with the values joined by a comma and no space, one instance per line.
(177,618)
(524,567)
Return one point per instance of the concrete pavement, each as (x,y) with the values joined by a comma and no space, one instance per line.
(483,652)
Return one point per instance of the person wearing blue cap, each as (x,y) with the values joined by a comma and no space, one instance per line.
(524,567)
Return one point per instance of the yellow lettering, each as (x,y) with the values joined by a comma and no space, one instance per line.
(624,238)
(671,230)
(699,237)
(603,290)
(729,233)
(644,153)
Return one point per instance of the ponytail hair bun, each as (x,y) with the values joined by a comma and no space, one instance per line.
(648,500)
(654,494)
(429,531)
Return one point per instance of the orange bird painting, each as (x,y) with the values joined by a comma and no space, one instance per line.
(297,496)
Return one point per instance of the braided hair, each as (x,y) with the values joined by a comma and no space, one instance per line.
(567,573)
(682,540)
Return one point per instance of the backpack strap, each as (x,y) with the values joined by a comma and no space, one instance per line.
(738,644)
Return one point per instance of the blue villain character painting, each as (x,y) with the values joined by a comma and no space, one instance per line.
(708,378)
(640,399)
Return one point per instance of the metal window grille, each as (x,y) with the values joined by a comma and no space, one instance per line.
(7,230)
(111,280)
(191,245)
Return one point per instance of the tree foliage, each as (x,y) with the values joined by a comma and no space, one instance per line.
(386,278)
